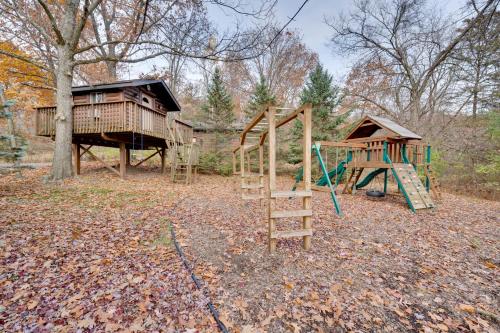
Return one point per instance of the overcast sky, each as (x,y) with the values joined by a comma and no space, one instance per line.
(310,23)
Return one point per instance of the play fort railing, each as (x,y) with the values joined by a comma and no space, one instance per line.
(115,117)
(415,152)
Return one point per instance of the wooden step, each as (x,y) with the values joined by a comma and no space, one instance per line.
(247,175)
(251,186)
(291,194)
(251,196)
(291,233)
(291,213)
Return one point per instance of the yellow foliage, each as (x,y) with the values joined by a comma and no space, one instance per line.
(21,80)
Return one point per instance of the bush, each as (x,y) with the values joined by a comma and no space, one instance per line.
(213,163)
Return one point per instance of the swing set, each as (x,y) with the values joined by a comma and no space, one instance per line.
(380,144)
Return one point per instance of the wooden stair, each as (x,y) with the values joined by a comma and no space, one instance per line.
(350,185)
(415,192)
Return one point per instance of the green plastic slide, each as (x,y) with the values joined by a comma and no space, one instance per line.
(340,168)
(369,177)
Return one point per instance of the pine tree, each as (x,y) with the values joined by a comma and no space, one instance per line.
(218,109)
(324,97)
(262,95)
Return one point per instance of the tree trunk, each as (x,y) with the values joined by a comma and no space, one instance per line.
(112,70)
(61,164)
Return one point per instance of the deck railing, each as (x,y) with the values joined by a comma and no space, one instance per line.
(112,117)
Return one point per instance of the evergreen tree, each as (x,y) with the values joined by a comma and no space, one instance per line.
(324,97)
(262,95)
(218,109)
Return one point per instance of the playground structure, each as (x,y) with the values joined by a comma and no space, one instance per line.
(253,138)
(382,145)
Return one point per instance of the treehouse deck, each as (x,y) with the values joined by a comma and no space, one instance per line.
(108,124)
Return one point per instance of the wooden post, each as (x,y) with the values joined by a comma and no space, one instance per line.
(77,158)
(234,163)
(248,163)
(128,157)
(306,201)
(163,155)
(123,160)
(272,175)
(261,174)
(242,166)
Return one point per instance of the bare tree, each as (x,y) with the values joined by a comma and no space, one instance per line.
(409,43)
(53,33)
(476,62)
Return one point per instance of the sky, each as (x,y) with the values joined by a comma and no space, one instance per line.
(310,22)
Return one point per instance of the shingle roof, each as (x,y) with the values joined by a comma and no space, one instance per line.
(158,86)
(371,124)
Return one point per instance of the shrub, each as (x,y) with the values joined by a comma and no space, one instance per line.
(214,163)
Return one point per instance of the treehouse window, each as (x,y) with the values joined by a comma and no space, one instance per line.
(97,97)
(147,101)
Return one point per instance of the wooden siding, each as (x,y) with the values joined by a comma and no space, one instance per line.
(124,116)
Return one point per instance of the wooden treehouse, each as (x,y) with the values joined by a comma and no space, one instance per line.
(129,115)
(384,147)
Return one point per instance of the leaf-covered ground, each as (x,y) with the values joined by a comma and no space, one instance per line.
(95,254)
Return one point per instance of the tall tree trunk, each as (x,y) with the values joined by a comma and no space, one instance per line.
(112,70)
(62,164)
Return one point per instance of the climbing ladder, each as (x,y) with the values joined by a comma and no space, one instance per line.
(414,191)
(305,213)
(350,185)
(433,182)
(252,183)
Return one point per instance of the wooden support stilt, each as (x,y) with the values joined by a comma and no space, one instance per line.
(123,160)
(163,154)
(128,157)
(77,158)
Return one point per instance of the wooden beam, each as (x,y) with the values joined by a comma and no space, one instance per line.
(163,154)
(285,120)
(272,178)
(123,160)
(307,160)
(102,162)
(147,158)
(77,158)
(252,124)
(128,157)
(342,144)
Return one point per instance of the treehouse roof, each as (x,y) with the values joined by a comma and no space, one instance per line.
(371,126)
(158,87)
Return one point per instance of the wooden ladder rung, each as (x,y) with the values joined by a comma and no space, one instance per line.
(291,233)
(291,213)
(290,194)
(251,196)
(247,175)
(251,186)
